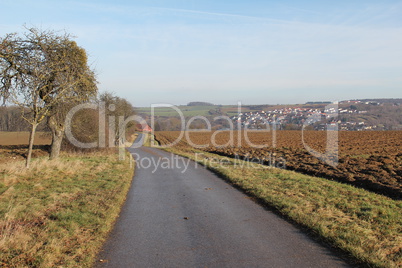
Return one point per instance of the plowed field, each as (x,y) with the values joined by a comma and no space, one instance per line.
(367,159)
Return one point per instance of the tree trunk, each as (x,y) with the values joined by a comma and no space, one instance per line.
(31,142)
(57,137)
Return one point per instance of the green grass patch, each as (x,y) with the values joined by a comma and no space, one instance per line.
(366,225)
(58,212)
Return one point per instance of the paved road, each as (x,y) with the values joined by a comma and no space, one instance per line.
(185,216)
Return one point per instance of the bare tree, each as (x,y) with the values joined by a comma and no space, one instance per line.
(41,70)
(116,107)
(83,88)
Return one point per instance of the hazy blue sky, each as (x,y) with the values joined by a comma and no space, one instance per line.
(252,51)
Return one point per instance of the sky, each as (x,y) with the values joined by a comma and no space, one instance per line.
(255,51)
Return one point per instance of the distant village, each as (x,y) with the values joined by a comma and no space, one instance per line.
(296,118)
(349,115)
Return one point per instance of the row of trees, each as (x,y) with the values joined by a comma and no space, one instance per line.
(102,125)
(45,74)
(41,72)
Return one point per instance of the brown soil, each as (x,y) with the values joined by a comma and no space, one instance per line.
(20,152)
(368,159)
(14,145)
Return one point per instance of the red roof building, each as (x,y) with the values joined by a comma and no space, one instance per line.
(144,129)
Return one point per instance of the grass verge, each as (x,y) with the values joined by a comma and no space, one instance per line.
(368,226)
(149,140)
(59,212)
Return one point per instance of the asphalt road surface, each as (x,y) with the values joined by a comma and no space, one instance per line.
(178,214)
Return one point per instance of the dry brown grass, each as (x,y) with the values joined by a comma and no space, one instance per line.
(58,212)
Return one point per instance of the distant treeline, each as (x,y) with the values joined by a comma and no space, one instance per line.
(318,102)
(11,120)
(199,103)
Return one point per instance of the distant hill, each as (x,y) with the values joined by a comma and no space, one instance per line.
(380,100)
(199,103)
(318,102)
